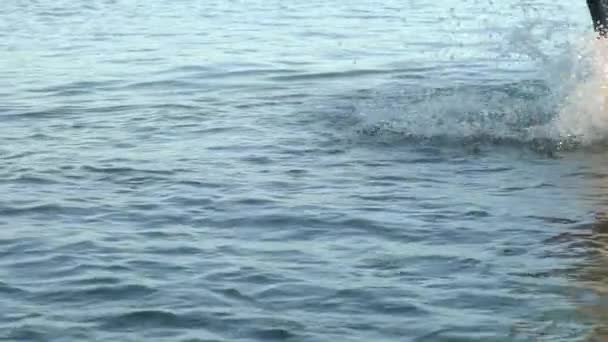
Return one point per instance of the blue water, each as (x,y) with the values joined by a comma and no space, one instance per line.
(296,171)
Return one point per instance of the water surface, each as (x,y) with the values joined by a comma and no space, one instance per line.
(297,171)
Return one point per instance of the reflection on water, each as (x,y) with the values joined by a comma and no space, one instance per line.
(587,244)
(592,275)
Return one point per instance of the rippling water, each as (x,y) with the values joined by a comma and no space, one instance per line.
(300,171)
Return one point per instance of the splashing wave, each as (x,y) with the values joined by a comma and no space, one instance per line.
(564,107)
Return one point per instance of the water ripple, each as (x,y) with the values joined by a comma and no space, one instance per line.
(296,171)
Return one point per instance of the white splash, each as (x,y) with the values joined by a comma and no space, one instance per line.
(583,112)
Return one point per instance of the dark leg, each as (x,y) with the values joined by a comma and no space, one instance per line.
(599,15)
